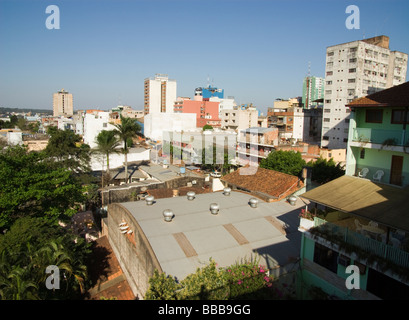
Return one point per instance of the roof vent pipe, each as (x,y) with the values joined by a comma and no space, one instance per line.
(253,202)
(191,195)
(214,208)
(168,215)
(149,200)
(226,191)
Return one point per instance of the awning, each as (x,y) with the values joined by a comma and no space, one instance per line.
(385,204)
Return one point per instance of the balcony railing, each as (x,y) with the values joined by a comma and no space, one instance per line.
(379,136)
(370,246)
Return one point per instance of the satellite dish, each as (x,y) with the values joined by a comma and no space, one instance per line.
(143,189)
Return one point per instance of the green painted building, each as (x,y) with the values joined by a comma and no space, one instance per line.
(363,217)
(378,136)
(312,89)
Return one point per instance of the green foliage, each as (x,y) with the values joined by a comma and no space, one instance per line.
(244,280)
(29,187)
(289,162)
(162,287)
(207,283)
(324,171)
(207,127)
(126,130)
(211,159)
(28,248)
(65,149)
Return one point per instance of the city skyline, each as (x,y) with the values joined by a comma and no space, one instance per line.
(257,51)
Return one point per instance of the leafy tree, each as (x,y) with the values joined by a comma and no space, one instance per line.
(30,187)
(128,128)
(28,248)
(207,127)
(243,280)
(65,148)
(324,170)
(289,162)
(210,159)
(107,143)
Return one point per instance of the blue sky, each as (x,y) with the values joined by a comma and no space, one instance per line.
(255,50)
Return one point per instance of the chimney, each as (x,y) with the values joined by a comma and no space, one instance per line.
(168,215)
(214,208)
(253,202)
(226,191)
(149,200)
(190,195)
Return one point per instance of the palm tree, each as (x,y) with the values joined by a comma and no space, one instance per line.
(107,143)
(127,129)
(55,253)
(15,281)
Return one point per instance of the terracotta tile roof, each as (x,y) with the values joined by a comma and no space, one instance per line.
(273,183)
(397,96)
(107,275)
(168,192)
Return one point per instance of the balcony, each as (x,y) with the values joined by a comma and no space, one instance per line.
(380,139)
(366,239)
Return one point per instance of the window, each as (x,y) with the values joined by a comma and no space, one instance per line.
(329,54)
(374,115)
(362,154)
(352,70)
(351,80)
(326,119)
(352,60)
(398,116)
(329,82)
(326,257)
(329,73)
(325,138)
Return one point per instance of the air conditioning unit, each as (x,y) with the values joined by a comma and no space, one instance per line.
(344,260)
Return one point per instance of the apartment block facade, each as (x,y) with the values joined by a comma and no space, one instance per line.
(312,90)
(63,104)
(238,119)
(207,112)
(353,70)
(159,94)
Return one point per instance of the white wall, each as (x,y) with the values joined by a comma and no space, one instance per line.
(156,123)
(94,123)
(98,162)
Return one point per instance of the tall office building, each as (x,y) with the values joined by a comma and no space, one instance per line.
(159,94)
(312,89)
(63,104)
(353,70)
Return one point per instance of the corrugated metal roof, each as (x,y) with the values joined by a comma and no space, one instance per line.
(195,235)
(378,202)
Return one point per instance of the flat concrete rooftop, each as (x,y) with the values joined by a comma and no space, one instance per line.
(236,232)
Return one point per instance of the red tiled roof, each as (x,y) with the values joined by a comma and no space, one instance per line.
(270,182)
(397,96)
(107,275)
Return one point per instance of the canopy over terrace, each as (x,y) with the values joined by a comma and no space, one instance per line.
(385,204)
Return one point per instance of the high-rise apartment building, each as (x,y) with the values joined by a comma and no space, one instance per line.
(159,94)
(312,90)
(63,104)
(353,70)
